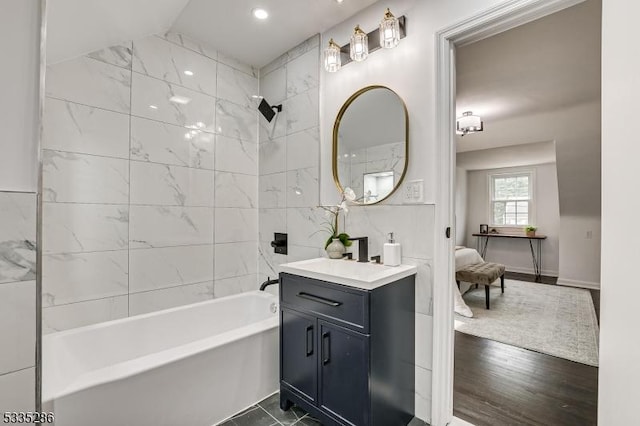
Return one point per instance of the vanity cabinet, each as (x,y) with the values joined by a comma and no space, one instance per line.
(346,353)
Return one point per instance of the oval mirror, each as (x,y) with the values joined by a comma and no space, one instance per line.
(370,144)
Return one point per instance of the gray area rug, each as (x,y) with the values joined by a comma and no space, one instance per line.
(555,320)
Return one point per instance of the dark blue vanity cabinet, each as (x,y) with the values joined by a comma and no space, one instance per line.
(347,354)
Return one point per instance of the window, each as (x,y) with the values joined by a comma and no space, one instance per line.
(511,199)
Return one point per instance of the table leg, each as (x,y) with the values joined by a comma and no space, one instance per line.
(483,249)
(536,256)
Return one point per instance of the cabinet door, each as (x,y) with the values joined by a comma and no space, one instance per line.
(344,373)
(298,353)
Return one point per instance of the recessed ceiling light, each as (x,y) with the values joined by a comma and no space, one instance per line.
(339,1)
(260,13)
(189,73)
(153,107)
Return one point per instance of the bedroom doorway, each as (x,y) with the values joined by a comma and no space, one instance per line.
(512,174)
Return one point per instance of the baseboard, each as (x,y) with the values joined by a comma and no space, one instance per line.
(580,284)
(545,272)
(459,422)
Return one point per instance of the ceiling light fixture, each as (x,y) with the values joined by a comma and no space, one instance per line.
(260,13)
(153,107)
(189,73)
(332,60)
(359,45)
(469,123)
(389,31)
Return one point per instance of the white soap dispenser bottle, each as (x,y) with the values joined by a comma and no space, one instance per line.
(391,252)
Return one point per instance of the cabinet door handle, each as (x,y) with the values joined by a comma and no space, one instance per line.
(310,340)
(326,348)
(319,299)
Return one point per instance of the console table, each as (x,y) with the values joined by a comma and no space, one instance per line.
(536,253)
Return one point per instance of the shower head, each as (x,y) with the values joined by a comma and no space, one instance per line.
(268,110)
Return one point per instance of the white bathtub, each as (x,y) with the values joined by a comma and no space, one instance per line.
(188,366)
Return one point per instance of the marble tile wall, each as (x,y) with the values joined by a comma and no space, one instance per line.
(289,199)
(150,180)
(17,300)
(289,158)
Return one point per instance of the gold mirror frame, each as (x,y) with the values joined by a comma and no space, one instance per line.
(336,126)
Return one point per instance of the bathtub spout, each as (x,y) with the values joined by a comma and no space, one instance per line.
(269,282)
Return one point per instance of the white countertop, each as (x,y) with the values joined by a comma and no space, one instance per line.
(351,273)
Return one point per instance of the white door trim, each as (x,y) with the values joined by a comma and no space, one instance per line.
(485,24)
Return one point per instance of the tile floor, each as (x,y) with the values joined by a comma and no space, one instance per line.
(268,413)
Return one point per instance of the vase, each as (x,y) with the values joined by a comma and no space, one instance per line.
(335,249)
(531,233)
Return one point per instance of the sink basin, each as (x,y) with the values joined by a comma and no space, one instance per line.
(366,276)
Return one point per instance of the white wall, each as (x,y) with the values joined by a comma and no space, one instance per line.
(516,254)
(461,206)
(20,73)
(619,346)
(580,251)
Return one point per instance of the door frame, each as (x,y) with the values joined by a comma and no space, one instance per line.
(495,20)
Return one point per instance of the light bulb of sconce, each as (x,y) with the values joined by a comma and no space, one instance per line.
(332,60)
(389,30)
(359,45)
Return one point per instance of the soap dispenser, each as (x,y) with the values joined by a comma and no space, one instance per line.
(391,252)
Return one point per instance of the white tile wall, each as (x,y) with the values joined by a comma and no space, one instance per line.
(17,301)
(155,268)
(90,82)
(164,143)
(77,277)
(165,226)
(154,57)
(17,391)
(165,185)
(79,178)
(17,237)
(142,303)
(72,127)
(142,192)
(64,317)
(17,326)
(188,107)
(288,174)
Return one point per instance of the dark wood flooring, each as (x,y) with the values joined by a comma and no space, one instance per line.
(496,384)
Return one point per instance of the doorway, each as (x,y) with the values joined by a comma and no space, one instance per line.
(480,27)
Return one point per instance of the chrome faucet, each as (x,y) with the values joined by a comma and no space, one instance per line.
(363,248)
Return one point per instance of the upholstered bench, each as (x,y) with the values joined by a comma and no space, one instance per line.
(482,273)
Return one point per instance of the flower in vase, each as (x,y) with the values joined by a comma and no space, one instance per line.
(333,213)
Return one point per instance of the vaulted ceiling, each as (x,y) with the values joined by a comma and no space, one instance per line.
(528,73)
(77,27)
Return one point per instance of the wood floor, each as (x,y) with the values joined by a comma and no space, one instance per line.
(496,384)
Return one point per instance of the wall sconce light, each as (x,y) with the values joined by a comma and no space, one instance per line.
(469,123)
(359,46)
(387,35)
(389,31)
(332,60)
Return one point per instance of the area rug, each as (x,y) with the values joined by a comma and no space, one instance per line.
(555,320)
